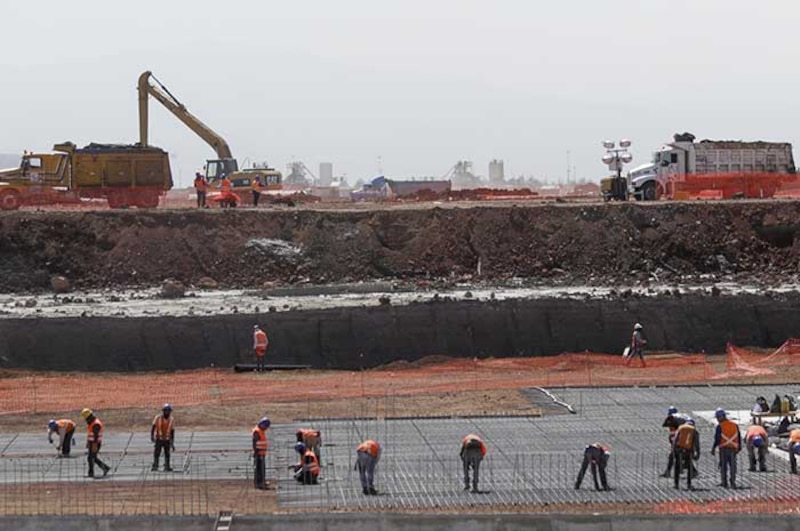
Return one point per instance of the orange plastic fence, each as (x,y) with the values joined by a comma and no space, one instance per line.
(727,185)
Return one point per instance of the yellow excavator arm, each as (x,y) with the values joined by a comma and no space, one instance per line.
(165,97)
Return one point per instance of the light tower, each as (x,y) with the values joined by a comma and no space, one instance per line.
(615,158)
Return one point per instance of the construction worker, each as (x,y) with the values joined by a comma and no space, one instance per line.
(368,454)
(200,187)
(794,448)
(162,434)
(312,439)
(686,447)
(729,441)
(307,470)
(255,188)
(472,453)
(227,197)
(638,343)
(673,421)
(756,440)
(94,440)
(260,344)
(260,445)
(65,429)
(597,456)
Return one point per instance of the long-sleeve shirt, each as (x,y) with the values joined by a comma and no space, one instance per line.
(727,435)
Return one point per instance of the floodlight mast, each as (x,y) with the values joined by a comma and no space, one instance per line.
(615,158)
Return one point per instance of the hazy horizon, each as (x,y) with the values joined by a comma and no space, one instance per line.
(412,86)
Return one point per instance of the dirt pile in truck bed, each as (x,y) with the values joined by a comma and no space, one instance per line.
(600,243)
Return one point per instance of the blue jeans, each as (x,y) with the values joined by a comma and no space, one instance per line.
(727,460)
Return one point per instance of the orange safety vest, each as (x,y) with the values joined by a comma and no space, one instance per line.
(255,186)
(472,437)
(307,434)
(260,339)
(310,463)
(754,430)
(163,426)
(261,443)
(371,447)
(794,436)
(729,435)
(200,184)
(90,431)
(684,437)
(65,424)
(225,184)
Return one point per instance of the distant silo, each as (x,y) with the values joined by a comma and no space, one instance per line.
(496,171)
(325,173)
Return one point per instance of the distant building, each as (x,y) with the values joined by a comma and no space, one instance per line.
(497,173)
(325,173)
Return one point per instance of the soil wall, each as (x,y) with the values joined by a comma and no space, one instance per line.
(350,338)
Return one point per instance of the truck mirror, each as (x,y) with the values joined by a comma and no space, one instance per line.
(665,163)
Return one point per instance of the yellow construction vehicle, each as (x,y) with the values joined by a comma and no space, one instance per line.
(225,163)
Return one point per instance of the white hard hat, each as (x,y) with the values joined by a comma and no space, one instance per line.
(637,326)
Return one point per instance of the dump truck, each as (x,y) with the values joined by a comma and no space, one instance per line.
(685,159)
(123,175)
(225,164)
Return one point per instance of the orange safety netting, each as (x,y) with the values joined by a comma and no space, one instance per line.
(769,504)
(743,362)
(23,392)
(728,185)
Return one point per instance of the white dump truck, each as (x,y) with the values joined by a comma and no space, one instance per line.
(684,157)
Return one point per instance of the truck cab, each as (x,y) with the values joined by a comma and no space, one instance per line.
(37,169)
(649,181)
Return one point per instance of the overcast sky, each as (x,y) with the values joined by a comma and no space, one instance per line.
(416,84)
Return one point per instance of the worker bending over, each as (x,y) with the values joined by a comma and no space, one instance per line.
(472,453)
(162,434)
(597,456)
(757,441)
(729,441)
(794,449)
(94,440)
(311,438)
(686,448)
(673,421)
(307,470)
(65,429)
(260,446)
(368,454)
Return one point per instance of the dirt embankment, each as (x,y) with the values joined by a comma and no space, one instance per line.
(565,244)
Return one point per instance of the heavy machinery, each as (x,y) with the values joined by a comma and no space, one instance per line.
(727,167)
(124,175)
(225,163)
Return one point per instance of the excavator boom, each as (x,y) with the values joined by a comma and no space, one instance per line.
(163,95)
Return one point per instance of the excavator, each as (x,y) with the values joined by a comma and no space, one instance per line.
(224,164)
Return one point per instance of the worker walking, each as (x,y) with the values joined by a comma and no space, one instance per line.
(94,441)
(312,439)
(260,446)
(255,187)
(260,344)
(200,187)
(638,343)
(686,450)
(595,455)
(162,434)
(757,441)
(673,421)
(368,454)
(65,429)
(307,470)
(729,441)
(794,449)
(472,453)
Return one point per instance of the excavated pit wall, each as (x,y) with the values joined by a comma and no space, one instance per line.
(355,337)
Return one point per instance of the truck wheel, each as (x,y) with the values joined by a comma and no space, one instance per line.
(650,191)
(9,200)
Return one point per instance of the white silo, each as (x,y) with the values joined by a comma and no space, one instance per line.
(496,172)
(325,173)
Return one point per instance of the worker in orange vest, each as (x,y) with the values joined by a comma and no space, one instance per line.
(162,434)
(794,448)
(307,470)
(686,447)
(312,439)
(638,343)
(368,454)
(597,456)
(255,188)
(260,445)
(756,440)
(200,187)
(65,429)
(94,440)
(729,441)
(472,453)
(260,344)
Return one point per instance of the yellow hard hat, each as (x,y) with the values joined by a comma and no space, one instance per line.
(86,413)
